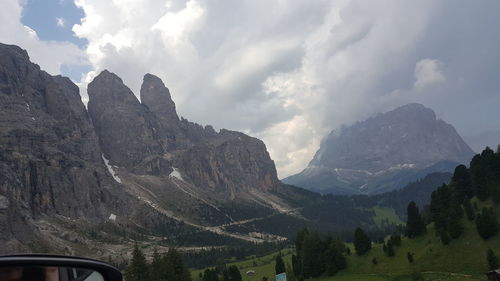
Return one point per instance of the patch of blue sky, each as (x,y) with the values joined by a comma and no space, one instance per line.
(53,19)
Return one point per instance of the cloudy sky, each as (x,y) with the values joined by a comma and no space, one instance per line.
(286,71)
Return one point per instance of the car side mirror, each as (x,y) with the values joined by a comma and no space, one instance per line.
(55,268)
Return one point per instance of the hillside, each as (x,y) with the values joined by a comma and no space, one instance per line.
(466,255)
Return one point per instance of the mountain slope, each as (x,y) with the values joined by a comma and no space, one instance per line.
(384,153)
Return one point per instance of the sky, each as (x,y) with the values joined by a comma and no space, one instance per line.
(285,71)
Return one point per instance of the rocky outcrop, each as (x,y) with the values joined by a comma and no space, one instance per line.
(373,155)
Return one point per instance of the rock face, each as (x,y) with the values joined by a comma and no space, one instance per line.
(231,162)
(149,138)
(384,153)
(49,155)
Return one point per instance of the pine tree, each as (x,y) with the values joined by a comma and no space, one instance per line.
(178,270)
(334,258)
(390,249)
(299,241)
(312,249)
(410,257)
(486,223)
(156,266)
(296,266)
(492,260)
(440,207)
(210,275)
(362,242)
(224,276)
(233,273)
(455,227)
(462,182)
(138,268)
(483,173)
(279,265)
(415,226)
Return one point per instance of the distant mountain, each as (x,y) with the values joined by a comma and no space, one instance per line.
(384,153)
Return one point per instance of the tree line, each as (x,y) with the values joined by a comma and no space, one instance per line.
(221,273)
(163,267)
(317,255)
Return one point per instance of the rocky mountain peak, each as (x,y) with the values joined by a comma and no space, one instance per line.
(157,98)
(108,89)
(412,111)
(128,132)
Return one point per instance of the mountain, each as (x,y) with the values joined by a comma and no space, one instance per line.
(384,153)
(94,182)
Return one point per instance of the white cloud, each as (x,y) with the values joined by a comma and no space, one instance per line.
(428,72)
(48,54)
(175,25)
(60,22)
(289,71)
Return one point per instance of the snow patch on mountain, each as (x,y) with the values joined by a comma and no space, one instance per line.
(110,169)
(175,174)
